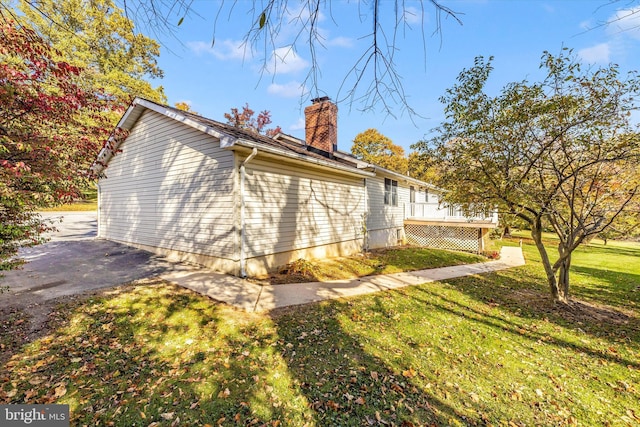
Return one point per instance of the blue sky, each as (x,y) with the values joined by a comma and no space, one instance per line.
(215,79)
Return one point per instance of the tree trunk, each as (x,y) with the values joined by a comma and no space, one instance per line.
(536,234)
(507,231)
(563,280)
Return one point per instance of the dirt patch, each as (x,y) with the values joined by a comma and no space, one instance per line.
(585,311)
(576,311)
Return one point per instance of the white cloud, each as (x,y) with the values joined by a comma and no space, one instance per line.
(587,25)
(285,60)
(225,49)
(199,47)
(288,90)
(340,42)
(299,125)
(598,54)
(625,22)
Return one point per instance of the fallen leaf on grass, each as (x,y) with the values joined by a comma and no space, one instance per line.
(409,373)
(29,394)
(61,390)
(333,405)
(360,401)
(397,388)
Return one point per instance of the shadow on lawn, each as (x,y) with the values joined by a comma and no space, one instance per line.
(613,287)
(594,248)
(505,326)
(344,382)
(160,355)
(153,355)
(523,292)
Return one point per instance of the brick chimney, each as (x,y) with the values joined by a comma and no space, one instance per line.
(321,124)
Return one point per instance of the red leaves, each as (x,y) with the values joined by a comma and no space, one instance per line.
(245,120)
(48,133)
(40,97)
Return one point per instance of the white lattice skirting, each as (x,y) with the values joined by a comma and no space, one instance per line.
(436,236)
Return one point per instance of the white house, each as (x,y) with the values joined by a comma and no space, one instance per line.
(195,189)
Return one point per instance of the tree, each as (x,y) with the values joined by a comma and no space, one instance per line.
(50,126)
(184,106)
(626,226)
(558,154)
(99,38)
(422,168)
(373,147)
(373,78)
(244,120)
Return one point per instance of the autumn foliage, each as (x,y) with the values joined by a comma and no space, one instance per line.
(245,120)
(373,147)
(51,126)
(559,155)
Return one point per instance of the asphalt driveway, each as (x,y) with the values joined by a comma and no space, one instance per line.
(74,261)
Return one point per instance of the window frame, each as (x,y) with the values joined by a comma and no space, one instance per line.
(390,192)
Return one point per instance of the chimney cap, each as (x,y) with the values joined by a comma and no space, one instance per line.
(321,99)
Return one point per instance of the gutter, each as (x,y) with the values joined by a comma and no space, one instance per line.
(378,169)
(265,149)
(243,232)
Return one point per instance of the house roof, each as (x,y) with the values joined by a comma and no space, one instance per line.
(234,138)
(230,137)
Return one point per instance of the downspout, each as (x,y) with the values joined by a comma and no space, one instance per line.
(243,237)
(365,219)
(98,219)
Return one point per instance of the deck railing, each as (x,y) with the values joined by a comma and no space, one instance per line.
(438,212)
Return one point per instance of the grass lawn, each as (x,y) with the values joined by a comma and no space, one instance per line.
(481,350)
(89,202)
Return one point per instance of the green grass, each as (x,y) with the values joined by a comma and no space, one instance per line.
(89,202)
(74,207)
(480,350)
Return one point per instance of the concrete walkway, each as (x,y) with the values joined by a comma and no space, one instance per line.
(255,298)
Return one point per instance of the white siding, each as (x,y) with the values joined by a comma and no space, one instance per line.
(171,187)
(383,216)
(291,207)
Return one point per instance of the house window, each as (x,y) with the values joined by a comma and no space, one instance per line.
(390,192)
(426,195)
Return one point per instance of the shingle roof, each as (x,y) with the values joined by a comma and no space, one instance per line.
(285,145)
(245,134)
